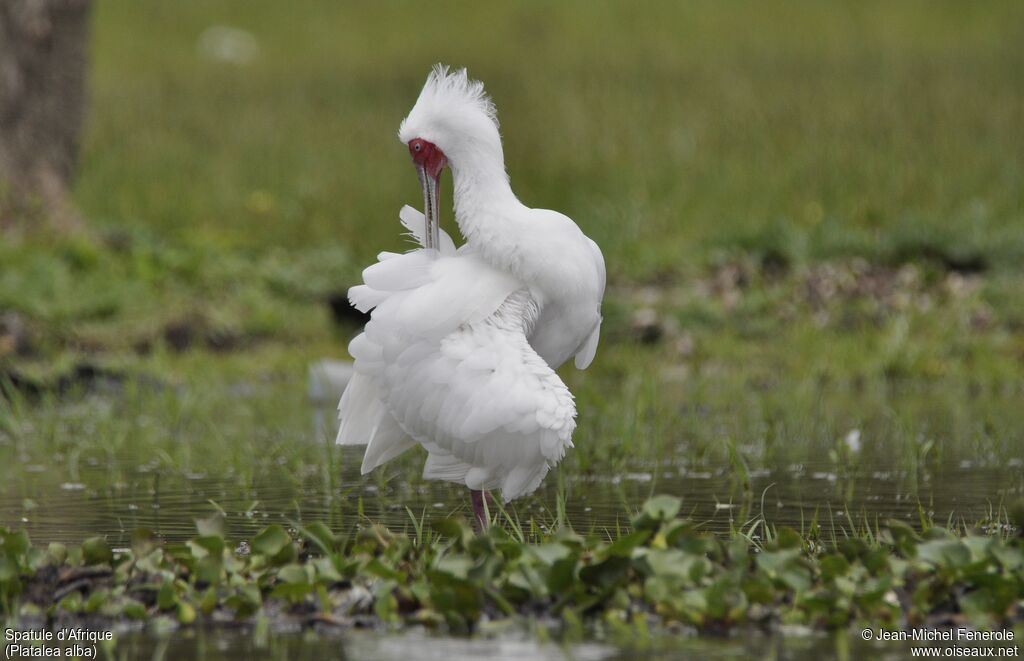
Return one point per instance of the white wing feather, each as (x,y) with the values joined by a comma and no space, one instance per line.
(445,362)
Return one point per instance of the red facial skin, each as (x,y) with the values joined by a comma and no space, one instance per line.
(427,155)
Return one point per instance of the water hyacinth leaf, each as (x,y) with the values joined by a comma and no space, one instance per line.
(787,538)
(455,565)
(375,537)
(606,573)
(8,569)
(143,542)
(669,562)
(211,526)
(562,575)
(623,546)
(376,567)
(186,612)
(293,573)
(271,541)
(1011,558)
(58,552)
(978,547)
(320,535)
(454,527)
(14,543)
(96,550)
(738,550)
(246,600)
(773,562)
(167,597)
(208,601)
(208,570)
(548,554)
(759,589)
(133,610)
(949,553)
(208,545)
(293,592)
(656,511)
(833,565)
(36,558)
(326,570)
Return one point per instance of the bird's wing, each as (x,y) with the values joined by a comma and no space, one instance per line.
(445,361)
(588,349)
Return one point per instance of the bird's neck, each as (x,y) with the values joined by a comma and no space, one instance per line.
(483,200)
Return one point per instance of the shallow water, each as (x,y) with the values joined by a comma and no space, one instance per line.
(845,457)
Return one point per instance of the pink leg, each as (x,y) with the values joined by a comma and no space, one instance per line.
(477,497)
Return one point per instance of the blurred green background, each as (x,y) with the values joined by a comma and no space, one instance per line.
(234,172)
(660,127)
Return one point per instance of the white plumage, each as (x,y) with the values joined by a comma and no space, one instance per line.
(460,350)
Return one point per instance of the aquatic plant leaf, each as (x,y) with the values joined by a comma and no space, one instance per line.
(320,535)
(58,552)
(833,565)
(548,554)
(208,545)
(167,597)
(186,612)
(623,546)
(606,573)
(787,538)
(14,543)
(293,573)
(211,526)
(96,550)
(1010,557)
(562,575)
(8,569)
(143,541)
(208,569)
(944,553)
(455,565)
(273,542)
(656,511)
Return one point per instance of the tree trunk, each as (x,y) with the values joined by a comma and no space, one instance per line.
(43,61)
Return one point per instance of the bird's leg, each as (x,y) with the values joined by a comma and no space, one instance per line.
(479,510)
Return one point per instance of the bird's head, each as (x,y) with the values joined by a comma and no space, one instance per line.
(453,124)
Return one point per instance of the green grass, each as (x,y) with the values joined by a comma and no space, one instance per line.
(857,127)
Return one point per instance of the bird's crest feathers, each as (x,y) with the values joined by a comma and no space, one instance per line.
(447,95)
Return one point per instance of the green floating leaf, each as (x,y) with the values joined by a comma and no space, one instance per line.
(656,511)
(623,546)
(833,565)
(455,565)
(606,573)
(271,541)
(949,553)
(208,545)
(58,552)
(320,535)
(293,573)
(14,543)
(96,550)
(548,554)
(143,542)
(167,597)
(211,526)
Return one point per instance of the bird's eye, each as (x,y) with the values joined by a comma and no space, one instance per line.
(417,146)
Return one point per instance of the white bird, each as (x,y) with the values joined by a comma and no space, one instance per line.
(461,347)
